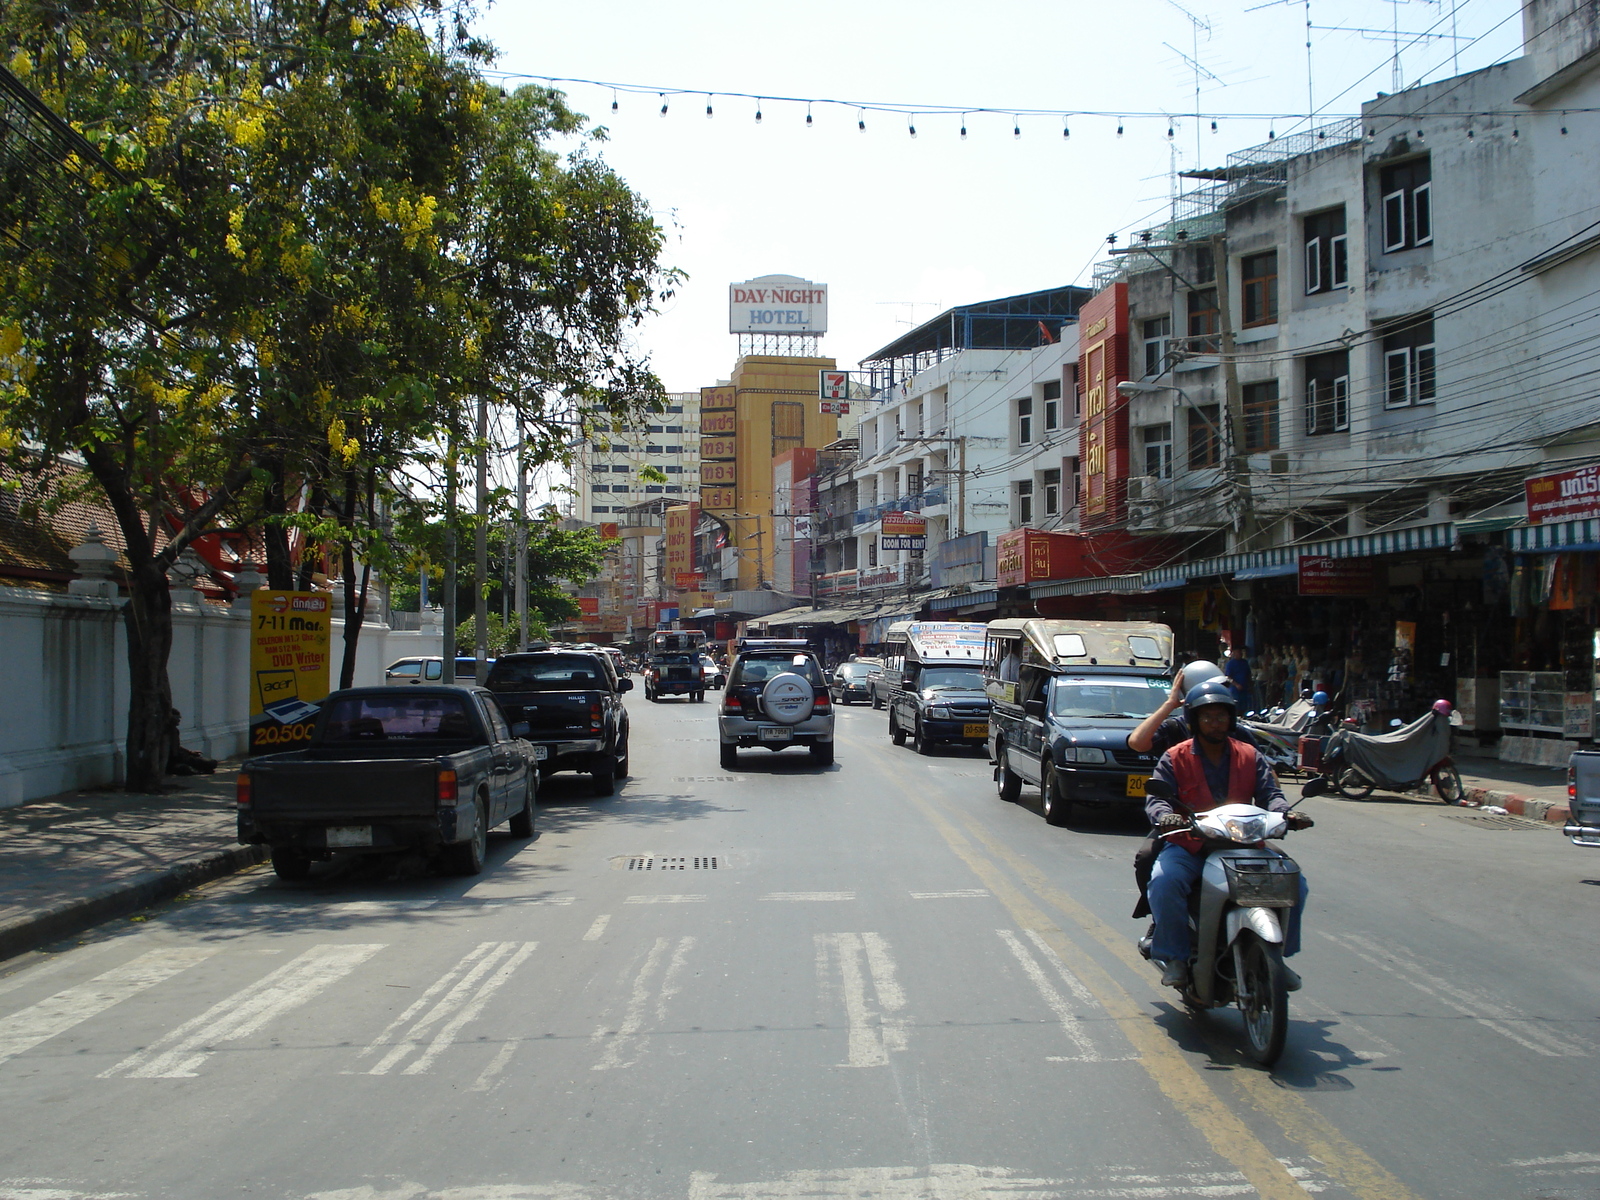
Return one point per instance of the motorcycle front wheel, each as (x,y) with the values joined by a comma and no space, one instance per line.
(1352,784)
(1263,998)
(1447,782)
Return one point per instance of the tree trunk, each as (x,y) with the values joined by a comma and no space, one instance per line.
(149,622)
(353,611)
(280,568)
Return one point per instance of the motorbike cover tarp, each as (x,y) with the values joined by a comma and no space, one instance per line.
(1397,760)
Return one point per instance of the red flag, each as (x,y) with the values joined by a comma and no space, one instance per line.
(1049,338)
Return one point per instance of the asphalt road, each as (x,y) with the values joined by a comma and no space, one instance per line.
(870,980)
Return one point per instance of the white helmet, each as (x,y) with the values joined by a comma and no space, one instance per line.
(1194,674)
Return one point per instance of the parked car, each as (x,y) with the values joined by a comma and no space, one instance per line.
(716,678)
(883,684)
(939,698)
(851,680)
(777,696)
(432,769)
(568,703)
(428,669)
(1064,697)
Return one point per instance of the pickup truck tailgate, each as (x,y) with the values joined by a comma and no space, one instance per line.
(552,714)
(353,790)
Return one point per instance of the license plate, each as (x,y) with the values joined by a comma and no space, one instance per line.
(775,735)
(540,753)
(975,730)
(1136,785)
(349,835)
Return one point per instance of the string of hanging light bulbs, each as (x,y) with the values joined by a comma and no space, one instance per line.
(912,112)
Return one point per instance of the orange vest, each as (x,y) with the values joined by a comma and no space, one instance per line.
(1195,794)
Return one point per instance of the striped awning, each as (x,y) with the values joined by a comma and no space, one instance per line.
(969,600)
(1556,536)
(1098,585)
(1366,545)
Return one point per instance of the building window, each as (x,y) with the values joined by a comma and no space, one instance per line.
(1050,483)
(1025,422)
(674,449)
(1408,363)
(788,426)
(1260,277)
(1260,416)
(674,408)
(872,552)
(652,429)
(1157,450)
(599,487)
(1405,193)
(1024,501)
(1327,393)
(678,429)
(654,450)
(1205,322)
(1071,373)
(1205,446)
(654,488)
(674,490)
(1327,252)
(605,508)
(1157,344)
(620,469)
(1052,404)
(673,470)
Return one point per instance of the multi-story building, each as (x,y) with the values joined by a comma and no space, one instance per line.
(608,469)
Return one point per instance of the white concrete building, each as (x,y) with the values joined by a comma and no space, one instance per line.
(606,470)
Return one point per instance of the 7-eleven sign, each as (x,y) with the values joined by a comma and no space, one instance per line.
(833,385)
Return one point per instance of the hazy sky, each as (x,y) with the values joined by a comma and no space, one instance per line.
(900,227)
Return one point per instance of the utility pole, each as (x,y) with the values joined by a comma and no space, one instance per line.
(449,599)
(1238,457)
(961,486)
(521,538)
(480,545)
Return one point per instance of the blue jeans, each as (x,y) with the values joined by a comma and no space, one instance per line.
(1175,874)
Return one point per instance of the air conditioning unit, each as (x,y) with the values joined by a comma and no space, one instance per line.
(1141,487)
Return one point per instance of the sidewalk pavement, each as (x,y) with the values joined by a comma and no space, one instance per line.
(71,861)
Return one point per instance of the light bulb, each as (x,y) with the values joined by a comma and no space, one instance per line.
(708,106)
(808,117)
(963,132)
(1016,128)
(1065,132)
(663,105)
(1119,126)
(1213,127)
(1169,133)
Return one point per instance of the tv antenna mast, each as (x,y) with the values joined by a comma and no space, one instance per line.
(1197,25)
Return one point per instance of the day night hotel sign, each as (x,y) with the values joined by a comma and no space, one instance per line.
(777,304)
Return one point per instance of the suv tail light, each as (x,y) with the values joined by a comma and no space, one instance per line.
(731,706)
(822,703)
(241,791)
(448,793)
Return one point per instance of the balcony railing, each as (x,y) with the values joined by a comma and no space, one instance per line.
(931,498)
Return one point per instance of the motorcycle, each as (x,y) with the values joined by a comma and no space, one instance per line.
(1357,763)
(1237,932)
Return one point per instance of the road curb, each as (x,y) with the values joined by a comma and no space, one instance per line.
(67,917)
(1552,811)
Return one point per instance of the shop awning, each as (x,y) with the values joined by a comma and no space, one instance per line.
(969,600)
(1556,536)
(1272,572)
(789,616)
(1366,545)
(1486,524)
(1096,585)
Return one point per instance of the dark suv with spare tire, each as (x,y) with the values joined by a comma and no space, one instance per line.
(777,696)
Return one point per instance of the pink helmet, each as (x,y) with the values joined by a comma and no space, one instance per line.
(1443,707)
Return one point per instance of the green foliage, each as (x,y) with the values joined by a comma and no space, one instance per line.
(502,634)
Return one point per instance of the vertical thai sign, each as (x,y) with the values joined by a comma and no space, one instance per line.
(680,522)
(289,638)
(719,428)
(1103,436)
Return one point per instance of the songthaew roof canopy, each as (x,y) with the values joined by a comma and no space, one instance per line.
(1010,323)
(1076,645)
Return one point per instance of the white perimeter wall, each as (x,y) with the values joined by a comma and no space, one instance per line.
(64,711)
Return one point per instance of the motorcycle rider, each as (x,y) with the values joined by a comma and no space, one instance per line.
(1166,727)
(1210,769)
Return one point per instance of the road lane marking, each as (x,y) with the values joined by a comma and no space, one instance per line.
(961,894)
(597,930)
(873,1033)
(1480,1006)
(666,899)
(491,1074)
(623,1045)
(1070,1025)
(181,1053)
(807,896)
(465,987)
(56,1014)
(1228,1135)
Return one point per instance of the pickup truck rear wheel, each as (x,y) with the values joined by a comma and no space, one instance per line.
(291,865)
(467,858)
(605,778)
(622,759)
(521,823)
(877,701)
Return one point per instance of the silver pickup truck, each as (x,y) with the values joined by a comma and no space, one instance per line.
(1583,798)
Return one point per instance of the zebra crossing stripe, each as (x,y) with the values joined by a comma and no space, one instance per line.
(182,1052)
(58,1013)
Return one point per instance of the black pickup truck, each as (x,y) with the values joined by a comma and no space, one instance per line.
(570,702)
(387,771)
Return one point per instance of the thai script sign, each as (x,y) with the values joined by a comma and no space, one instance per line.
(719,473)
(1103,435)
(1567,496)
(718,499)
(904,524)
(289,637)
(719,447)
(1322,576)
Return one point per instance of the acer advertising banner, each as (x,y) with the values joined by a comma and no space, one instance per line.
(289,637)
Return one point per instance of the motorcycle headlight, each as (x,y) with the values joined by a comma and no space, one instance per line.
(1246,829)
(939,713)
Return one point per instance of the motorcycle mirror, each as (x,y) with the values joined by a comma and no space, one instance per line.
(1160,789)
(1320,786)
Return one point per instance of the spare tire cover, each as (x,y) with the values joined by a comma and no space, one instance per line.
(788,698)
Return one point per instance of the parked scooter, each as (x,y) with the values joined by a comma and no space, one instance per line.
(1235,920)
(1356,763)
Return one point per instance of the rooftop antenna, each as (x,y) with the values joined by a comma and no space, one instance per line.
(1311,101)
(1196,24)
(913,305)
